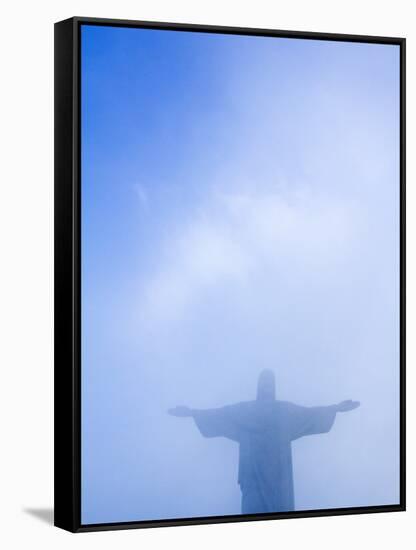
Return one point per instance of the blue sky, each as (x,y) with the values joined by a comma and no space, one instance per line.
(240,210)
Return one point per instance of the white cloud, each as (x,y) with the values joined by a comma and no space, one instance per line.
(142,195)
(236,236)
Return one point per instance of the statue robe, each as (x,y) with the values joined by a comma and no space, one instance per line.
(265,431)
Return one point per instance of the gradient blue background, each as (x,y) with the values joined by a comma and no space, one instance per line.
(240,211)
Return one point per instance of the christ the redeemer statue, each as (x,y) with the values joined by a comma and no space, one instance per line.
(265,429)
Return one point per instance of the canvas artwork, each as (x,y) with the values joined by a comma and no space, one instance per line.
(240,252)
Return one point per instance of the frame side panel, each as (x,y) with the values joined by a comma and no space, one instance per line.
(66,482)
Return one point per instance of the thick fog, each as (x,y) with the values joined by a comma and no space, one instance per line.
(240,211)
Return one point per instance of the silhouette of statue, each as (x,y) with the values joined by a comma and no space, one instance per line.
(265,429)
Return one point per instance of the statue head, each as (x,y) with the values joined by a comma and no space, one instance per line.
(266,386)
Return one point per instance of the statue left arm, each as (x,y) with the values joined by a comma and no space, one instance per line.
(316,420)
(345,406)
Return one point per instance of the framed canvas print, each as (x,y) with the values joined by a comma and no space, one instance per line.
(229,274)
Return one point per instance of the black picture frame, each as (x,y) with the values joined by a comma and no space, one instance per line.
(67,479)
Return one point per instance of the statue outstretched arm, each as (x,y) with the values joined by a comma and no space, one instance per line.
(345,406)
(181,411)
